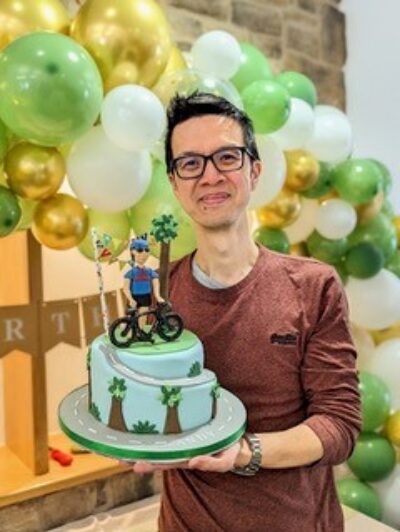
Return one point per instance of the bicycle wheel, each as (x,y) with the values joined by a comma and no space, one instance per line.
(170,327)
(121,332)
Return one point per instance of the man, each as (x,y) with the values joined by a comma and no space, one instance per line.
(276,333)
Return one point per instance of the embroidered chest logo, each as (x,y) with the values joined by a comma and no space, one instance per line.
(283,339)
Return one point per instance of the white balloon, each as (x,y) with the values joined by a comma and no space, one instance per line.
(133,117)
(273,172)
(375,302)
(389,494)
(364,344)
(332,139)
(385,363)
(299,127)
(335,219)
(217,53)
(304,225)
(105,177)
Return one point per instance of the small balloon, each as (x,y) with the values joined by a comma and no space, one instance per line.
(274,239)
(375,401)
(299,127)
(385,364)
(302,228)
(34,172)
(10,211)
(335,219)
(380,232)
(359,496)
(357,180)
(268,105)
(216,53)
(367,211)
(176,62)
(373,458)
(386,176)
(323,184)
(302,170)
(392,428)
(326,250)
(254,66)
(364,260)
(393,265)
(299,86)
(60,222)
(281,211)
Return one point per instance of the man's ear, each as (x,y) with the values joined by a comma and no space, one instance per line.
(255,172)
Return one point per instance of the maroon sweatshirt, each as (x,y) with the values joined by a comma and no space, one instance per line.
(280,341)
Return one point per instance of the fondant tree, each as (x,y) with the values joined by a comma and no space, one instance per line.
(215,394)
(117,389)
(144,427)
(171,397)
(164,231)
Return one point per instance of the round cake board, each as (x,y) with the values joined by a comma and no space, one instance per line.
(80,426)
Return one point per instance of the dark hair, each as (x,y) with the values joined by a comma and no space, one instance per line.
(183,108)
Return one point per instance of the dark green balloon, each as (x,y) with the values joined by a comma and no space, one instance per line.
(325,249)
(298,86)
(274,239)
(253,67)
(357,180)
(323,184)
(373,457)
(341,271)
(364,260)
(10,211)
(393,264)
(387,178)
(375,401)
(359,496)
(380,232)
(268,105)
(51,91)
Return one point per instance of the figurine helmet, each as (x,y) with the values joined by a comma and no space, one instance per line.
(140,242)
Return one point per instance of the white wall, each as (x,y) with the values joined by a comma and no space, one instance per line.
(373,82)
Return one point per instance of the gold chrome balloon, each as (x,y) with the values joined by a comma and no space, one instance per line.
(367,211)
(60,222)
(302,170)
(167,82)
(129,39)
(392,428)
(396,223)
(34,172)
(281,211)
(332,194)
(382,335)
(18,17)
(299,250)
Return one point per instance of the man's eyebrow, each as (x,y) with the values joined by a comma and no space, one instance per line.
(186,153)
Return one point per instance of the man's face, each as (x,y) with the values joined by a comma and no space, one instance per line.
(139,257)
(215,199)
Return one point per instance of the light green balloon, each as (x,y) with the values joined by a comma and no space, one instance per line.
(299,86)
(160,199)
(268,105)
(51,90)
(380,232)
(373,458)
(375,401)
(275,239)
(115,224)
(360,497)
(253,67)
(357,180)
(325,249)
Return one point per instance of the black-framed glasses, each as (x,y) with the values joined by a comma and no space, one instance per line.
(142,249)
(192,165)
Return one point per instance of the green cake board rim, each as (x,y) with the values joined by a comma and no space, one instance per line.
(74,418)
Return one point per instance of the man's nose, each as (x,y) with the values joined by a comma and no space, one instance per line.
(211,175)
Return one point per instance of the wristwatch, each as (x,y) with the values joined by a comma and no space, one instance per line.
(256,455)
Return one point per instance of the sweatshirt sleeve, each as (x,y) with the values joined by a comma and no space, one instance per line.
(330,378)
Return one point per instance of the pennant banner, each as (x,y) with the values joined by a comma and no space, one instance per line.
(18,329)
(60,323)
(92,316)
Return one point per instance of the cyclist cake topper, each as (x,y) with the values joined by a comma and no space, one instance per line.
(141,285)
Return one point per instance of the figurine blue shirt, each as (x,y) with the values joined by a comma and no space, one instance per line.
(141,280)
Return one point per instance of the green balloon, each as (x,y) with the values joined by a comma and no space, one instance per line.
(393,264)
(325,249)
(274,239)
(380,232)
(388,209)
(51,90)
(375,401)
(373,458)
(298,86)
(115,224)
(160,199)
(360,497)
(268,105)
(341,271)
(357,180)
(364,260)
(3,141)
(10,211)
(323,184)
(387,178)
(253,67)
(27,209)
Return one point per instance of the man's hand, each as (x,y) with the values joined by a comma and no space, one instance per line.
(218,463)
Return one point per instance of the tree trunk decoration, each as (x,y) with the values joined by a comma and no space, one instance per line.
(215,394)
(172,425)
(117,389)
(171,396)
(163,229)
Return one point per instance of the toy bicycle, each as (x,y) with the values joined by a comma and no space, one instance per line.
(168,325)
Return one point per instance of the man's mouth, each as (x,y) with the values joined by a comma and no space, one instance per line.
(215,198)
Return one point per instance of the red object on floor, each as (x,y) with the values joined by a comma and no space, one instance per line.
(61,457)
